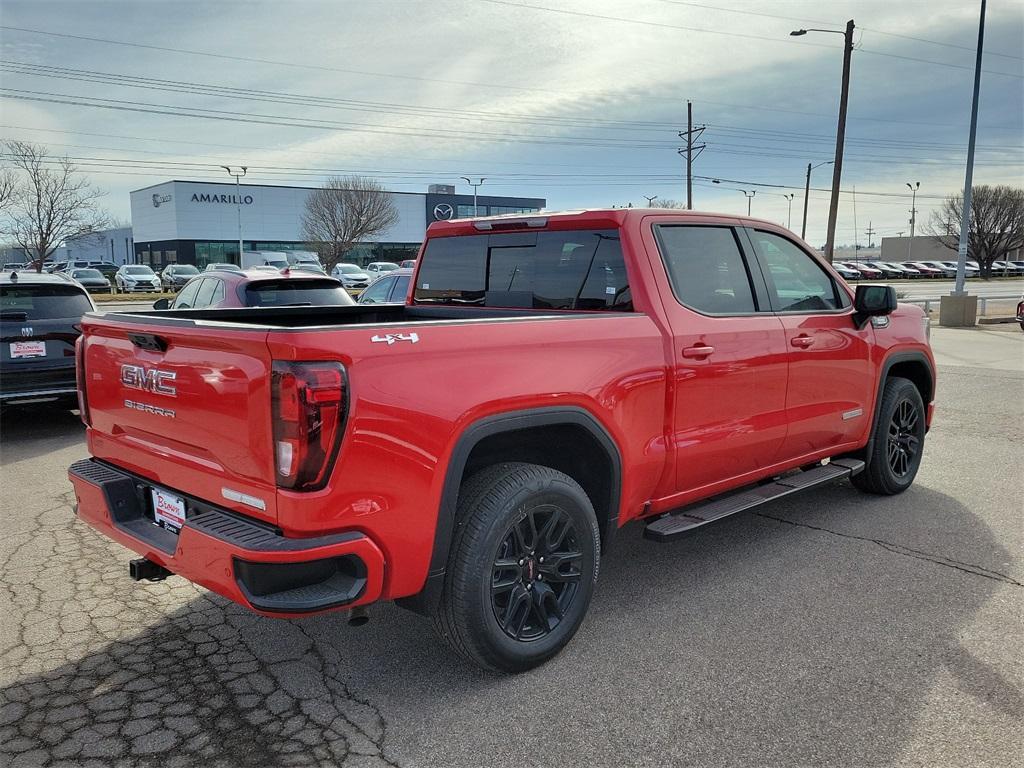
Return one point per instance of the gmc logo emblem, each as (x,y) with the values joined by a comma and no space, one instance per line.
(149,380)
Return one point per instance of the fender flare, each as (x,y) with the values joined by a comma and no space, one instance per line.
(488,426)
(914,356)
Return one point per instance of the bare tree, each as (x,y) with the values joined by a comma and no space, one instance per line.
(50,202)
(996,224)
(8,182)
(663,202)
(345,211)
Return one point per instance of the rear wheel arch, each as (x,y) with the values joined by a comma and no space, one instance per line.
(536,436)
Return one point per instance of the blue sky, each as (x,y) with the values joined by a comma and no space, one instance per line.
(577,101)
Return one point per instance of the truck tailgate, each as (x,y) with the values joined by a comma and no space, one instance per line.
(185,406)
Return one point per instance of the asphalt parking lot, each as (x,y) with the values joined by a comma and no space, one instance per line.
(833,629)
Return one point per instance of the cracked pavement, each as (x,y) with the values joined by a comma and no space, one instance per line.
(827,629)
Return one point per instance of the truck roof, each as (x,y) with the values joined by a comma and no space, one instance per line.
(574,219)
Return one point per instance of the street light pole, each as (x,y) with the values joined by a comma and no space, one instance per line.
(807,194)
(474,186)
(913,217)
(965,221)
(749,196)
(844,97)
(238,203)
(789,216)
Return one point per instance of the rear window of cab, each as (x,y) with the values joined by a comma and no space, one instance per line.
(564,270)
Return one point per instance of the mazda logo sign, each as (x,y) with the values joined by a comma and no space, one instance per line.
(443,212)
(157,199)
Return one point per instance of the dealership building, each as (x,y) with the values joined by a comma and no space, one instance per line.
(195,222)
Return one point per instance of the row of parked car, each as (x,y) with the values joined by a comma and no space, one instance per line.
(905,270)
(268,287)
(102,277)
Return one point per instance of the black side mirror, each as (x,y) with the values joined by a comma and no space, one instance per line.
(162,304)
(872,301)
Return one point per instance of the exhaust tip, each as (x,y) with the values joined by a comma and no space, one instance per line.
(358,617)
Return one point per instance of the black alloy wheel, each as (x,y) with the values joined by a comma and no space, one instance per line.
(536,573)
(522,567)
(903,444)
(896,446)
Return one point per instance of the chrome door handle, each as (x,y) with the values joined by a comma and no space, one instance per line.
(698,353)
(802,341)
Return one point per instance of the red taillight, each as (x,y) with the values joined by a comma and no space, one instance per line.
(83,401)
(308,405)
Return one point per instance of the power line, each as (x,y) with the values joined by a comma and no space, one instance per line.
(835,22)
(741,35)
(283,120)
(390,108)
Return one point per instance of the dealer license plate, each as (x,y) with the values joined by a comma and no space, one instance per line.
(168,510)
(23,349)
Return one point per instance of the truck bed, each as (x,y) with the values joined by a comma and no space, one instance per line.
(335,316)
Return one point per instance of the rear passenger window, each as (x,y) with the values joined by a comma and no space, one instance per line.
(706,268)
(796,282)
(401,289)
(205,296)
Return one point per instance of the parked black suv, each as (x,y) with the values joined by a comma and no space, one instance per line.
(40,318)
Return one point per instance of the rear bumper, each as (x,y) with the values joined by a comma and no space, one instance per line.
(34,381)
(247,562)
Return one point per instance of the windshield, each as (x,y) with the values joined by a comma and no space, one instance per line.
(348,269)
(186,269)
(142,270)
(42,302)
(79,274)
(386,267)
(291,292)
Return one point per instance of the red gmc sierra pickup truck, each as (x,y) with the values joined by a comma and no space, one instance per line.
(471,453)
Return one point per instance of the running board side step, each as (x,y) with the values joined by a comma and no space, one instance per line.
(687,519)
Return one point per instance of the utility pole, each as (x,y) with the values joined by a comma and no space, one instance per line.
(807,194)
(856,244)
(691,134)
(869,232)
(474,186)
(789,216)
(238,203)
(650,200)
(844,97)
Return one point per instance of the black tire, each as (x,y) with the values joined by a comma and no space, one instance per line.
(897,440)
(541,604)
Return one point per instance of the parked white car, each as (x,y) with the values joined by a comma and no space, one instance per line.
(376,268)
(352,276)
(130,278)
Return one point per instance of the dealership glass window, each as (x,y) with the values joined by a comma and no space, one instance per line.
(466,211)
(546,270)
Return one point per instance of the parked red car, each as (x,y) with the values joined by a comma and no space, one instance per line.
(257,288)
(472,452)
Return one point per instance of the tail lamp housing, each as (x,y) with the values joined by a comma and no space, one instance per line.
(309,402)
(83,401)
